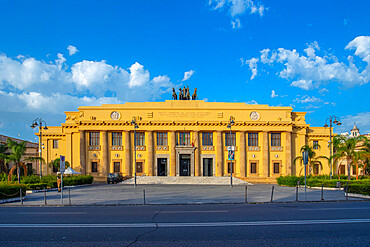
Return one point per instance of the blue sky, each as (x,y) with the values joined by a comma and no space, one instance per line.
(58,55)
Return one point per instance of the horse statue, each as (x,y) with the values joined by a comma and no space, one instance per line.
(194,96)
(174,95)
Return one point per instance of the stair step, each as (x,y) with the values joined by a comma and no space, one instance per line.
(185,180)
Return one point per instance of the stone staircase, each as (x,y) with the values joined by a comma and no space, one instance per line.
(185,180)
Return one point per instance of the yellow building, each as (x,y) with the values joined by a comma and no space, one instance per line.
(184,138)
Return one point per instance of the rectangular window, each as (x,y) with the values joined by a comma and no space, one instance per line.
(316,169)
(184,139)
(253,139)
(55,144)
(161,139)
(94,138)
(229,167)
(116,138)
(315,144)
(354,170)
(253,167)
(94,166)
(139,167)
(207,139)
(116,166)
(140,139)
(275,139)
(229,140)
(276,168)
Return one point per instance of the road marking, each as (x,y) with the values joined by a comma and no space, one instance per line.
(195,224)
(318,209)
(184,212)
(52,213)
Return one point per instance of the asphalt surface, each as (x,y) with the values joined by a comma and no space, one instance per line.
(123,194)
(280,224)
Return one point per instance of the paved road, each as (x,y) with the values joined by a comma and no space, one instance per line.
(292,224)
(121,194)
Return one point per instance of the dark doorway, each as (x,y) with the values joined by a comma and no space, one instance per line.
(207,167)
(161,167)
(184,164)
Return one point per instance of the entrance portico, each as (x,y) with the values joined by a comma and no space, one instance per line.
(185,161)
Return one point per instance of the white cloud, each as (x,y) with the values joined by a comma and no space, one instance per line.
(72,50)
(237,8)
(310,70)
(187,75)
(252,66)
(252,102)
(323,91)
(362,122)
(273,94)
(31,85)
(308,99)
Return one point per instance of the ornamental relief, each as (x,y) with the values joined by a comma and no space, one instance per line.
(115,115)
(254,116)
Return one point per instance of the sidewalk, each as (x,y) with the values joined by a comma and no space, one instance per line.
(122,194)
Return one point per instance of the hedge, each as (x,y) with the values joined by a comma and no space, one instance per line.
(359,189)
(11,190)
(362,185)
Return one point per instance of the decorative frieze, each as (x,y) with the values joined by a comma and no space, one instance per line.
(94,147)
(164,148)
(209,148)
(141,148)
(118,148)
(254,148)
(278,148)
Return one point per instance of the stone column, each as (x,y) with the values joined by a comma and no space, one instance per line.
(173,153)
(196,154)
(150,153)
(127,170)
(83,152)
(266,151)
(242,154)
(219,153)
(105,151)
(288,153)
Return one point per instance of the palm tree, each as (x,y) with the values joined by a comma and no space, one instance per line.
(56,164)
(351,150)
(312,159)
(16,155)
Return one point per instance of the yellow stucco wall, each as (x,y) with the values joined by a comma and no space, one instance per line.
(185,116)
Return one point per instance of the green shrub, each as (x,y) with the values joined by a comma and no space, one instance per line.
(359,189)
(33,179)
(37,186)
(77,180)
(11,190)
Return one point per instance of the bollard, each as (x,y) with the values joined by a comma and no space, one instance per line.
(246,195)
(45,195)
(20,193)
(144,196)
(69,196)
(322,192)
(272,193)
(296,193)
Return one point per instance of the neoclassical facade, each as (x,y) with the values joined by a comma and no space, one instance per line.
(184,138)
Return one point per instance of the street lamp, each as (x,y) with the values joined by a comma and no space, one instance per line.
(39,122)
(231,122)
(332,120)
(133,122)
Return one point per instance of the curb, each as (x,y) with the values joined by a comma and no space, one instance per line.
(15,199)
(358,196)
(55,189)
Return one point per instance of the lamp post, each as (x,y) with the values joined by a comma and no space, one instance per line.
(231,122)
(332,120)
(39,122)
(133,122)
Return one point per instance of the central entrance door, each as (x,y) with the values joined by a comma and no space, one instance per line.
(184,164)
(161,167)
(207,167)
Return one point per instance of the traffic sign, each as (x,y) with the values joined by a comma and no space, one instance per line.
(62,163)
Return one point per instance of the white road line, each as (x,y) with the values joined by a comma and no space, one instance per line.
(184,212)
(205,224)
(319,209)
(52,213)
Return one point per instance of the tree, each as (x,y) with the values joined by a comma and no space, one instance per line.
(56,164)
(3,153)
(312,159)
(16,155)
(352,150)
